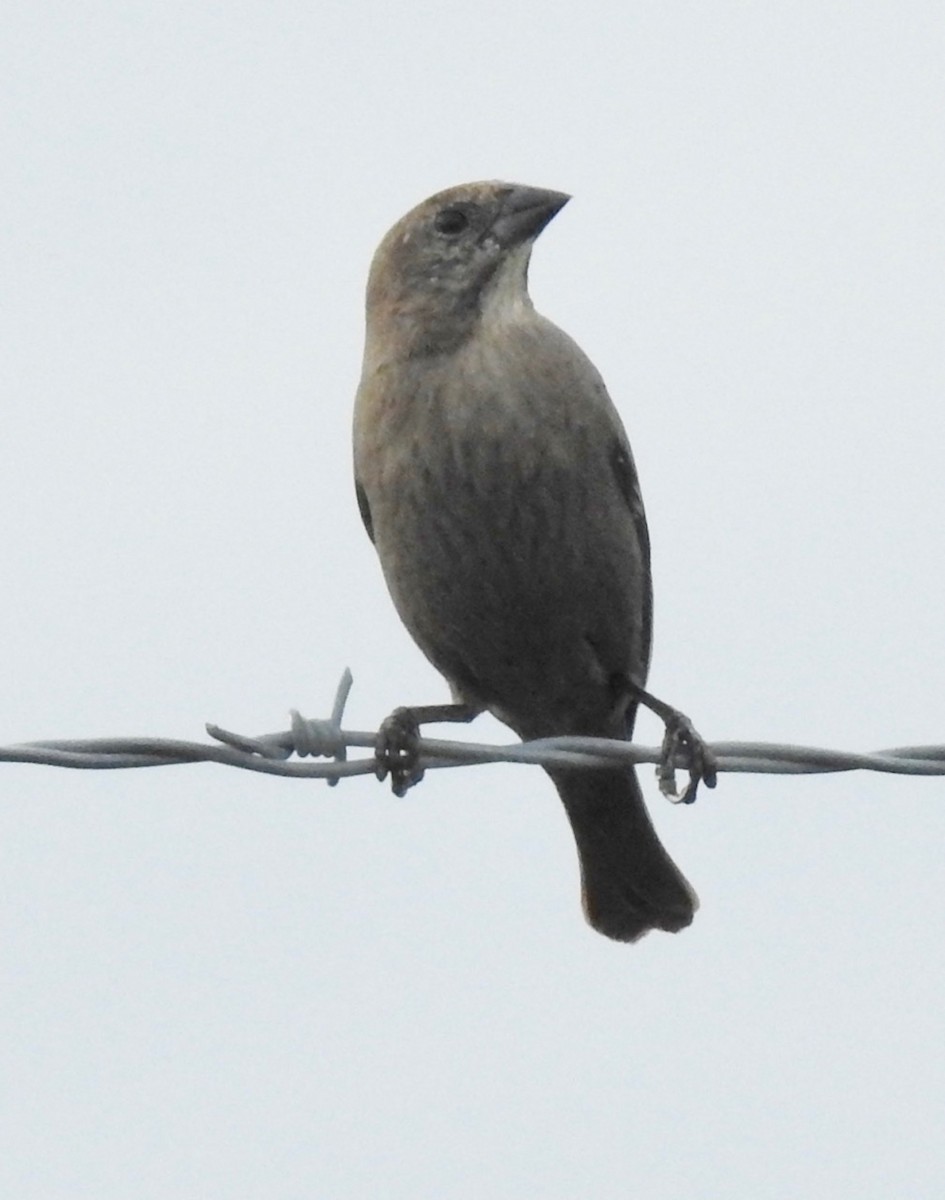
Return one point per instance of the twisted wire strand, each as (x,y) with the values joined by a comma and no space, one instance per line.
(272,753)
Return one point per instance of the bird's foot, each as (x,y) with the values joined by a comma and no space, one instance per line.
(397,746)
(397,750)
(680,738)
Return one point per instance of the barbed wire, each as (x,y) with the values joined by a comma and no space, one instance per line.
(326,738)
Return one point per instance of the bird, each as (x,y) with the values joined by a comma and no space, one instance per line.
(495,478)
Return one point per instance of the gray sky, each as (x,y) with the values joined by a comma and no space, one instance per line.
(214,984)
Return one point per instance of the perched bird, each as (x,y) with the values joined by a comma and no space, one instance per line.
(496,481)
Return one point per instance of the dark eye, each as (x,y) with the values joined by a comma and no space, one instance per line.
(450,221)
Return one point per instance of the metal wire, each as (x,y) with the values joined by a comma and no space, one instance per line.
(272,753)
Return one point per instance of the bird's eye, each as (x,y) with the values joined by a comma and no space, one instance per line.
(450,221)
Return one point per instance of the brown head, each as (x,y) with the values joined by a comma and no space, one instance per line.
(451,259)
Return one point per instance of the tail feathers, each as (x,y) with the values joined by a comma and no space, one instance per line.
(629,883)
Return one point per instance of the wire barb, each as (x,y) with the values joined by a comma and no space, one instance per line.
(324,739)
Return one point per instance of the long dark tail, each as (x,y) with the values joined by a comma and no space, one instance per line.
(629,883)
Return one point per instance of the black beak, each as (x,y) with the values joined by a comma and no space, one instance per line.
(525,212)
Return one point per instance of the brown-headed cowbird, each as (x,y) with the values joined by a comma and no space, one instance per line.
(497,484)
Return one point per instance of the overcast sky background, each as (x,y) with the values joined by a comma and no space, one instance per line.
(217,984)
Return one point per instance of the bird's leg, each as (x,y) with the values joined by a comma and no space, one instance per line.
(680,735)
(396,750)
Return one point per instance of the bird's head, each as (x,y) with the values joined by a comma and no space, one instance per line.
(458,258)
